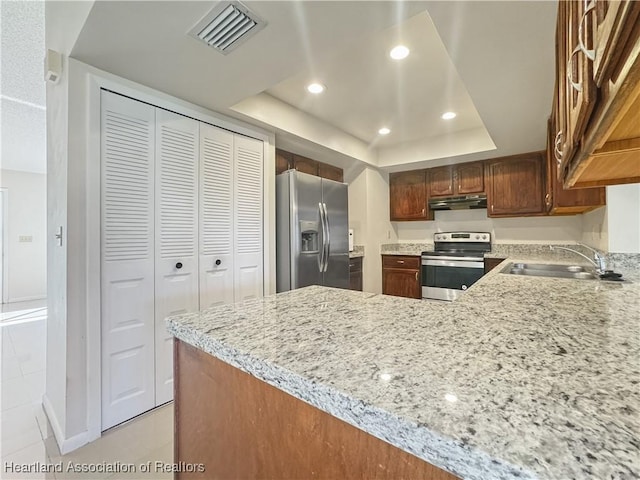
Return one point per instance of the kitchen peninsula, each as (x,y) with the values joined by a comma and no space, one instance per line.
(521,377)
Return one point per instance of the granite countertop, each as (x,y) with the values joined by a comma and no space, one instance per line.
(405,248)
(358,251)
(522,377)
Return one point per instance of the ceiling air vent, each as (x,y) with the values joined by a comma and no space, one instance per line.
(227,26)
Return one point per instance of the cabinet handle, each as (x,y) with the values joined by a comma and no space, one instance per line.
(590,54)
(576,86)
(557,146)
(547,199)
(179,265)
(218,262)
(423,211)
(401,261)
(416,276)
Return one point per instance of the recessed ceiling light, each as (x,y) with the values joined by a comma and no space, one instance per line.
(384,131)
(448,115)
(399,52)
(316,88)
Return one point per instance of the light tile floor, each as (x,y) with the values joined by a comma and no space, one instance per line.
(25,434)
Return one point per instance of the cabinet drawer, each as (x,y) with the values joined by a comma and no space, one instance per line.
(401,261)
(355,264)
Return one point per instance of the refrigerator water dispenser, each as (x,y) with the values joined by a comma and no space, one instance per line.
(309,233)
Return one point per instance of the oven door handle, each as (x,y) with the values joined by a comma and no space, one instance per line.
(452,263)
(459,259)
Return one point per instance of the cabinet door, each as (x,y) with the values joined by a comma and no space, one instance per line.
(330,172)
(127,297)
(305,165)
(611,21)
(176,245)
(401,282)
(284,161)
(216,216)
(580,86)
(469,178)
(515,186)
(441,181)
(355,274)
(562,149)
(248,201)
(408,196)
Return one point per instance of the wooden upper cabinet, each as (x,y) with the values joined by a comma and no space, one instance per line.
(287,160)
(579,84)
(408,196)
(469,178)
(284,161)
(330,172)
(515,186)
(441,181)
(609,21)
(561,201)
(305,165)
(460,179)
(598,72)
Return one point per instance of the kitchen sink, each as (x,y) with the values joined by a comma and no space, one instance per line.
(550,270)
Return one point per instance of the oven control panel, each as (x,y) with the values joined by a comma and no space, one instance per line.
(462,237)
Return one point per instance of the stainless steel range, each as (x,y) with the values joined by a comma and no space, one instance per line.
(456,263)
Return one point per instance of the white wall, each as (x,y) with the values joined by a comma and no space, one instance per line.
(26,199)
(369,218)
(63,22)
(57,139)
(503,230)
(615,228)
(595,228)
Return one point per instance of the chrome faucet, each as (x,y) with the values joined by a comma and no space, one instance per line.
(598,260)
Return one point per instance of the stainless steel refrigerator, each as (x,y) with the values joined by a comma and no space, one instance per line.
(312,238)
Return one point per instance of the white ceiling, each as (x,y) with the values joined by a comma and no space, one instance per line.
(492,62)
(366,89)
(22,87)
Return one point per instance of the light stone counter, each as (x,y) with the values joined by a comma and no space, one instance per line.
(358,251)
(405,248)
(522,377)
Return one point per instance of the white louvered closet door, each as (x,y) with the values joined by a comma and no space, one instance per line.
(216,216)
(248,161)
(176,267)
(127,296)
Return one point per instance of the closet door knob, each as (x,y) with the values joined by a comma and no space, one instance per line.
(218,262)
(179,265)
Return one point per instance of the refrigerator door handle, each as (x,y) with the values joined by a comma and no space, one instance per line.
(324,238)
(328,238)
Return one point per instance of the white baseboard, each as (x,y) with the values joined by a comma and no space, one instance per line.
(65,445)
(26,299)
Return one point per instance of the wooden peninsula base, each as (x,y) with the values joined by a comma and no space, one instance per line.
(240,427)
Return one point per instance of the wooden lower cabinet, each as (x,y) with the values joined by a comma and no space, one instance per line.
(355,273)
(238,427)
(491,263)
(401,276)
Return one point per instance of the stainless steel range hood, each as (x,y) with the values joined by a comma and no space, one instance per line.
(463,202)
